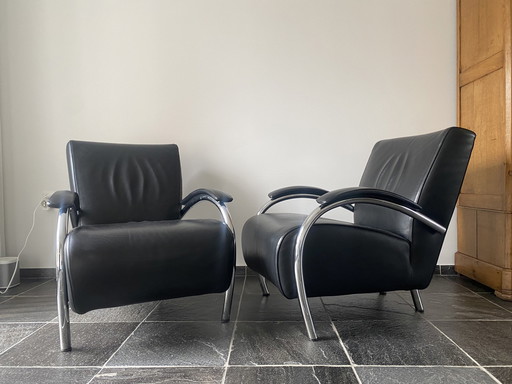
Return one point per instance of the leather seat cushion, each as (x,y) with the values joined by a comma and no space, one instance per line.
(118,264)
(339,257)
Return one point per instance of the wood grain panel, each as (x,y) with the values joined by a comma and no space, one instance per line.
(491,237)
(482,105)
(481,30)
(466,228)
(494,202)
(482,69)
(481,271)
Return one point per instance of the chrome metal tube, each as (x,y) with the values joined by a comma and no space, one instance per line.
(263,285)
(397,207)
(299,275)
(270,203)
(301,239)
(62,293)
(416,298)
(228,300)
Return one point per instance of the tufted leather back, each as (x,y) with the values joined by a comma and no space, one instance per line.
(428,169)
(125,182)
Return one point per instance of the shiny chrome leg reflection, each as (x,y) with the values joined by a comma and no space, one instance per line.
(63,313)
(416,298)
(228,300)
(263,285)
(62,292)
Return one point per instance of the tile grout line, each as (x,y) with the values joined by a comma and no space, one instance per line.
(350,360)
(467,354)
(226,365)
(124,342)
(496,304)
(12,346)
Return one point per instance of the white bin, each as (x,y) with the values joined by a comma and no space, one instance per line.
(7,265)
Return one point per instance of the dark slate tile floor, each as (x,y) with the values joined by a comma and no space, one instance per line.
(464,336)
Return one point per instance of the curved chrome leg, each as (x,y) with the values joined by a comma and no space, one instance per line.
(263,285)
(416,298)
(228,300)
(299,275)
(62,293)
(63,313)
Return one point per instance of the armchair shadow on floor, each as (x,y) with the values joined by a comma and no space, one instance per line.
(129,241)
(401,210)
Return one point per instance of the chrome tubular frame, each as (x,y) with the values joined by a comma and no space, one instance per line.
(62,293)
(416,299)
(270,203)
(301,238)
(265,208)
(263,285)
(226,217)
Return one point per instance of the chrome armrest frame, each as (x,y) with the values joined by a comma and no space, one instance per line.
(311,220)
(62,292)
(226,217)
(273,202)
(265,208)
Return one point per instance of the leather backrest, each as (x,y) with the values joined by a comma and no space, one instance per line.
(125,182)
(427,169)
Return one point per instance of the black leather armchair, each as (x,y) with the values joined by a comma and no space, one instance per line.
(402,208)
(129,242)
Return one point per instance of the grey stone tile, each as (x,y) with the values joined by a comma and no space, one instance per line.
(275,307)
(371,306)
(93,344)
(28,309)
(127,313)
(290,375)
(472,285)
(398,342)
(287,343)
(48,288)
(445,284)
(25,285)
(499,302)
(197,308)
(465,306)
(176,344)
(488,342)
(431,375)
(47,375)
(503,374)
(252,286)
(182,375)
(448,270)
(11,334)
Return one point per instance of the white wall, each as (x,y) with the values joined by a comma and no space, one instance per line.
(258,94)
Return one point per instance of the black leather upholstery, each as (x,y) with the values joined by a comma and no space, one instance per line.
(125,182)
(110,265)
(383,250)
(131,244)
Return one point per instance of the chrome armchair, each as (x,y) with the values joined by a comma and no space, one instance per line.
(129,242)
(401,210)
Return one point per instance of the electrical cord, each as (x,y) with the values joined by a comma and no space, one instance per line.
(22,249)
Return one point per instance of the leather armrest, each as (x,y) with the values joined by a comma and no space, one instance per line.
(296,190)
(64,200)
(200,194)
(367,193)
